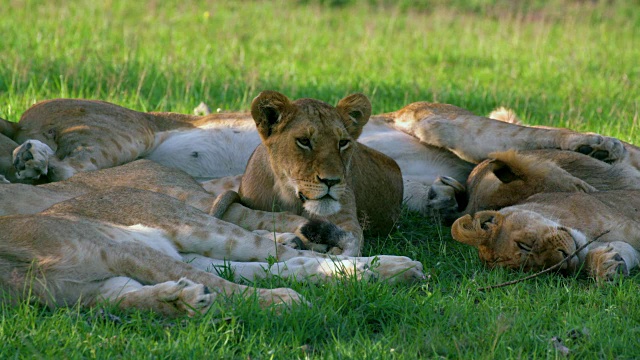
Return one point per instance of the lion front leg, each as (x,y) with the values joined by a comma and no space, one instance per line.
(292,230)
(610,260)
(351,238)
(473,138)
(392,269)
(170,298)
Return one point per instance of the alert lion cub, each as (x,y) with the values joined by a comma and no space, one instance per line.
(311,164)
(548,227)
(141,245)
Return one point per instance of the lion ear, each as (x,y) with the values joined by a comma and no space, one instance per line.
(356,110)
(504,172)
(479,230)
(268,109)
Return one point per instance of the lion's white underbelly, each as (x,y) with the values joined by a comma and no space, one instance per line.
(207,153)
(417,161)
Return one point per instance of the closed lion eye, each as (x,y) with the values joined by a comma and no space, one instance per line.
(524,247)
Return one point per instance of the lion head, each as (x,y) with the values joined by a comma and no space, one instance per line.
(309,145)
(520,239)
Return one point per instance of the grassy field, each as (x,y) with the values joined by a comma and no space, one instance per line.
(558,63)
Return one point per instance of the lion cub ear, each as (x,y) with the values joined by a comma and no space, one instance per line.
(268,109)
(356,109)
(504,172)
(482,229)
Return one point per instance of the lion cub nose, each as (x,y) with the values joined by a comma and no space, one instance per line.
(329,182)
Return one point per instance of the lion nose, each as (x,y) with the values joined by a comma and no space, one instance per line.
(329,182)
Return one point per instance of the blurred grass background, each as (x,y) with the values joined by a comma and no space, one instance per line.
(559,62)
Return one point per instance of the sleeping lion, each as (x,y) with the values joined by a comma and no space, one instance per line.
(548,227)
(532,209)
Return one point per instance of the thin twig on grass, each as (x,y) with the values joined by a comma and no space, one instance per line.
(487,288)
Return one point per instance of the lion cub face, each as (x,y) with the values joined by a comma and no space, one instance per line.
(310,145)
(519,239)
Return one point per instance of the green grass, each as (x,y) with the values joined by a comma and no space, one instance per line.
(558,63)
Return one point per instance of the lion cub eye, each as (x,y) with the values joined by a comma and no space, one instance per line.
(524,247)
(304,143)
(343,144)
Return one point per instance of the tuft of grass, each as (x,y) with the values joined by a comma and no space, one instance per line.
(556,63)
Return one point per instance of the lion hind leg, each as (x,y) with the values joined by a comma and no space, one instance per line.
(393,269)
(440,200)
(34,159)
(31,160)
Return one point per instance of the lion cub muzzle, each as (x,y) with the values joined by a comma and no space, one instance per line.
(322,197)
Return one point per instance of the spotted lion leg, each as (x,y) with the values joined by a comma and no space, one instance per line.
(449,127)
(393,269)
(153,267)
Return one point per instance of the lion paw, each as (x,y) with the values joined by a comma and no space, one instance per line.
(322,236)
(394,269)
(187,297)
(3,180)
(599,147)
(441,198)
(31,159)
(268,297)
(606,264)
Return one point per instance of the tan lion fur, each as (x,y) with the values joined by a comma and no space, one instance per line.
(62,138)
(428,141)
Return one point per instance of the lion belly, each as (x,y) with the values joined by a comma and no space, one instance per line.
(206,153)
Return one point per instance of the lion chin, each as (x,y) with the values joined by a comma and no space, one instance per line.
(322,207)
